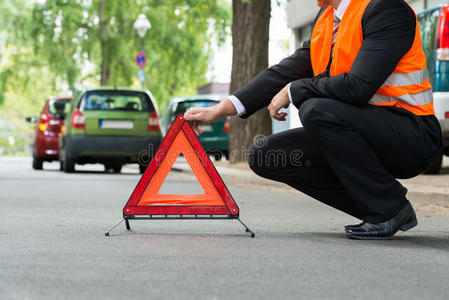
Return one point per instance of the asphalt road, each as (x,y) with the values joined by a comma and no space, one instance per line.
(52,246)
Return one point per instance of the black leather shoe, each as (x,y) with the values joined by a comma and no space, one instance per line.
(404,220)
(404,190)
(354,225)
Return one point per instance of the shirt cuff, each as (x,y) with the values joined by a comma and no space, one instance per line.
(290,94)
(238,105)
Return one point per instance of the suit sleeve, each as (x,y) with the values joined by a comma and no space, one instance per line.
(388,32)
(259,91)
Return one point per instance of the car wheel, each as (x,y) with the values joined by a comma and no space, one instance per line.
(117,168)
(68,164)
(435,165)
(38,163)
(226,154)
(142,168)
(217,155)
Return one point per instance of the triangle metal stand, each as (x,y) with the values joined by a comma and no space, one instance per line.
(180,217)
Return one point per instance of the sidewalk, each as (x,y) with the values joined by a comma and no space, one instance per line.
(428,193)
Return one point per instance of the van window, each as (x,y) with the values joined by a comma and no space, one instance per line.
(422,27)
(431,29)
(429,41)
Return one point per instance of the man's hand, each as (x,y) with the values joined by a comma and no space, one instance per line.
(207,115)
(279,101)
(201,115)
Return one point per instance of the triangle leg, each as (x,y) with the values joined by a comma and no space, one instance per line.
(246,228)
(124,219)
(127,224)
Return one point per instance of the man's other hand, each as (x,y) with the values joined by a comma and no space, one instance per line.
(279,101)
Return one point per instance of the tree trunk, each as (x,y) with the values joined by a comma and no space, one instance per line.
(104,47)
(104,68)
(250,36)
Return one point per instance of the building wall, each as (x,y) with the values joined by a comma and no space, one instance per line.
(301,12)
(213,88)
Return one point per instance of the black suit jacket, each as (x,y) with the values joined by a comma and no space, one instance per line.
(388,30)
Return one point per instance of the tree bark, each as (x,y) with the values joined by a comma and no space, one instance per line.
(104,79)
(104,67)
(250,36)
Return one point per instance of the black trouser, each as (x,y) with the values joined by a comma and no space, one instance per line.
(349,156)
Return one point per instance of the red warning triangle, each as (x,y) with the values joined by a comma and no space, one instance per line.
(146,200)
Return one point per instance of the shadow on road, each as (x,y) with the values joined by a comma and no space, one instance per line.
(80,172)
(429,241)
(425,240)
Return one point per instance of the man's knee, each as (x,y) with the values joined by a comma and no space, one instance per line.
(317,110)
(253,160)
(256,156)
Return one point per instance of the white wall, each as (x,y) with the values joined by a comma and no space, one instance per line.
(301,12)
(433,3)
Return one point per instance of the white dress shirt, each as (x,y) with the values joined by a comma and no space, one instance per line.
(338,13)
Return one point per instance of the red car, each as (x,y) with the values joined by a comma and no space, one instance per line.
(48,128)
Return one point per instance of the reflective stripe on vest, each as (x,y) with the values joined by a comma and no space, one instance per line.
(402,79)
(398,80)
(407,87)
(421,98)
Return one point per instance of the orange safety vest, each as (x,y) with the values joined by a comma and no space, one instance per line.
(407,87)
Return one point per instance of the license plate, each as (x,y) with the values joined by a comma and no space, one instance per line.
(116,124)
(54,122)
(205,128)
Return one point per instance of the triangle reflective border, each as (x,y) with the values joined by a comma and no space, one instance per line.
(145,199)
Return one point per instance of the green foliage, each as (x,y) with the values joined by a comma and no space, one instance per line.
(72,38)
(53,47)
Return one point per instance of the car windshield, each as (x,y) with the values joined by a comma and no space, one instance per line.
(117,101)
(58,107)
(182,107)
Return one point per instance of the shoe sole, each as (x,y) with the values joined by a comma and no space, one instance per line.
(356,237)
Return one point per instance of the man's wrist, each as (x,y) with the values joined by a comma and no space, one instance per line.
(224,109)
(237,105)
